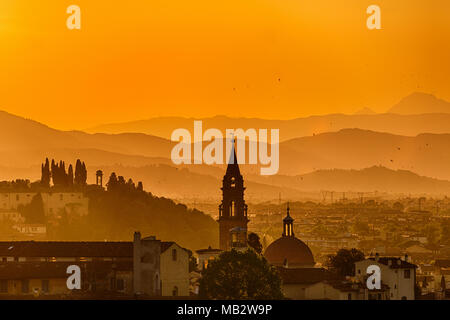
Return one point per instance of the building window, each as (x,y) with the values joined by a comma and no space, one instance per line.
(407,274)
(175,291)
(25,286)
(45,286)
(120,285)
(3,286)
(349,296)
(174,254)
(359,271)
(4,259)
(61,197)
(17,197)
(156,283)
(112,283)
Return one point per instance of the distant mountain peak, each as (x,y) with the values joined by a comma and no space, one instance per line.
(420,103)
(365,111)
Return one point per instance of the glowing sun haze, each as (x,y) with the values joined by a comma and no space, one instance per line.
(263,58)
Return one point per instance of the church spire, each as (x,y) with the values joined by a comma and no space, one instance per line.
(233,209)
(288,224)
(233,166)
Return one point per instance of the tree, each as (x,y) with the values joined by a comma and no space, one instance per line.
(254,242)
(70,176)
(83,174)
(343,263)
(417,291)
(80,173)
(240,275)
(193,265)
(112,182)
(45,174)
(34,211)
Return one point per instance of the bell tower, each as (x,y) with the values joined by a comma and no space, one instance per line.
(232,210)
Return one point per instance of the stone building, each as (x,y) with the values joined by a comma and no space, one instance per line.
(399,275)
(147,266)
(74,203)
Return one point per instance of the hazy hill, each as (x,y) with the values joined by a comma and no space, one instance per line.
(182,183)
(425,154)
(26,142)
(409,125)
(419,103)
(376,178)
(415,114)
(365,111)
(179,183)
(145,157)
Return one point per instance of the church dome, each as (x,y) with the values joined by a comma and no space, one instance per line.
(290,252)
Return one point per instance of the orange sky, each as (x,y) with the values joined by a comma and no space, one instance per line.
(196,58)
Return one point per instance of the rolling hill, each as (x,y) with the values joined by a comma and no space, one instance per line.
(415,114)
(145,157)
(420,103)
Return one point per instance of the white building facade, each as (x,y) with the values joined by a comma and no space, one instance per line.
(397,273)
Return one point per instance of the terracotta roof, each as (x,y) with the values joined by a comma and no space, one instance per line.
(209,250)
(396,263)
(289,249)
(167,244)
(57,270)
(66,249)
(93,249)
(303,275)
(346,286)
(17,271)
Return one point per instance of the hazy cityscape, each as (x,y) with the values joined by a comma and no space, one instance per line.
(209,152)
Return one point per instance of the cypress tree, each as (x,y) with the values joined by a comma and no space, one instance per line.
(112,182)
(78,175)
(84,174)
(70,176)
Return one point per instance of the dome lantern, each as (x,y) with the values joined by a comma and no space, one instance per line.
(288,224)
